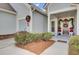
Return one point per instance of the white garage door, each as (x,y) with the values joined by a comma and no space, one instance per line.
(7,23)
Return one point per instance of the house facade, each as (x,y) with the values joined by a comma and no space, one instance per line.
(38,21)
(13,18)
(7,19)
(63,18)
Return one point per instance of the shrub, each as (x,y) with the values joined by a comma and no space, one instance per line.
(35,36)
(74,45)
(46,36)
(24,38)
(74,40)
(20,38)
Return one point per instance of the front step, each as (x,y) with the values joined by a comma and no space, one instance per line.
(62,41)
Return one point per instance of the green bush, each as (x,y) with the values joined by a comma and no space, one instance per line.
(20,38)
(30,37)
(46,36)
(74,45)
(74,41)
(36,37)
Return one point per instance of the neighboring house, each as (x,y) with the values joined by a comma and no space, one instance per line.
(7,19)
(12,18)
(63,18)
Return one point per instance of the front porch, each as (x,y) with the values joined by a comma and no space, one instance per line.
(60,23)
(61,38)
(63,23)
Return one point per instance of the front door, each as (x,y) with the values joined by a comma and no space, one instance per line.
(65,26)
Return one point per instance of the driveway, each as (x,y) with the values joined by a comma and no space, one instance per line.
(7,47)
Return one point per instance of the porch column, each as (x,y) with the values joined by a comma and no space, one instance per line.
(77,21)
(56,26)
(31,19)
(17,25)
(49,24)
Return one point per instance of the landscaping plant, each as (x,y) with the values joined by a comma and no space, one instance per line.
(46,36)
(24,38)
(74,45)
(20,38)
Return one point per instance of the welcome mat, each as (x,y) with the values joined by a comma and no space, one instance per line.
(37,47)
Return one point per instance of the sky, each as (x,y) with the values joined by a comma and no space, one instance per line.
(40,5)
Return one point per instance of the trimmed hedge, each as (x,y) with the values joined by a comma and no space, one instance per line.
(30,37)
(74,45)
(46,36)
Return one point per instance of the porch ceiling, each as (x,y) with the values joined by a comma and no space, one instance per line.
(64,14)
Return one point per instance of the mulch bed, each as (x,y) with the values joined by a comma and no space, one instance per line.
(37,47)
(2,37)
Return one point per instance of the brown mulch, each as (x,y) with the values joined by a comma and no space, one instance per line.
(37,47)
(3,37)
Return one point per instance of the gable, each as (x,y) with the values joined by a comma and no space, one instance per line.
(6,6)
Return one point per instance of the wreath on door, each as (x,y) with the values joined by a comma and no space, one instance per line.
(65,25)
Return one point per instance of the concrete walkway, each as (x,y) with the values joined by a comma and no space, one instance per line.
(57,49)
(61,37)
(7,47)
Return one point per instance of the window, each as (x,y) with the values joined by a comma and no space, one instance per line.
(53,26)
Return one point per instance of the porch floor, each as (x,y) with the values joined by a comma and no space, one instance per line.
(7,47)
(61,37)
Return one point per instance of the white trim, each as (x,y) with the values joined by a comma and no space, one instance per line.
(51,25)
(27,5)
(63,10)
(31,20)
(77,22)
(8,11)
(49,28)
(21,18)
(17,25)
(56,25)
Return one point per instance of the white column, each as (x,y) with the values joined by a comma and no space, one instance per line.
(31,20)
(17,24)
(77,24)
(56,26)
(49,24)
